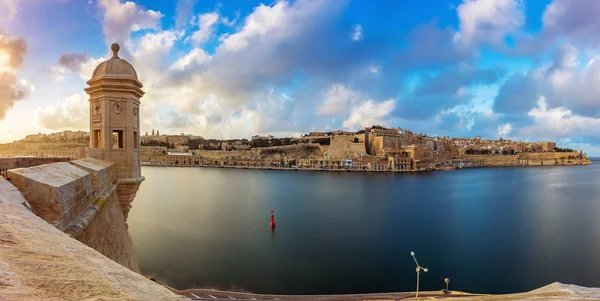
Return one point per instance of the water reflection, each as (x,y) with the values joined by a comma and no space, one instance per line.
(489,230)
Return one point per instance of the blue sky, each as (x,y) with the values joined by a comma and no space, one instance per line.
(518,69)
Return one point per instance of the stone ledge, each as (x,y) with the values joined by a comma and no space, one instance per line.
(57,192)
(102,172)
(39,262)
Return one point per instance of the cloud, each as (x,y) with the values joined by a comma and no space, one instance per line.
(70,113)
(121,19)
(488,21)
(430,46)
(183,12)
(73,61)
(179,121)
(454,79)
(276,39)
(565,83)
(559,122)
(194,58)
(357,35)
(69,61)
(444,90)
(504,130)
(206,24)
(12,53)
(78,63)
(276,72)
(575,19)
(370,113)
(337,99)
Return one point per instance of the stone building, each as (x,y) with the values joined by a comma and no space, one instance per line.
(548,146)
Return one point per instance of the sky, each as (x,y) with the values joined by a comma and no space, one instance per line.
(517,69)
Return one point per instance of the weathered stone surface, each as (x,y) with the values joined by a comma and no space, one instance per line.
(102,172)
(39,262)
(20,162)
(107,234)
(61,192)
(57,192)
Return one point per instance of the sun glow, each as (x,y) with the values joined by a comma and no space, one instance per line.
(4,62)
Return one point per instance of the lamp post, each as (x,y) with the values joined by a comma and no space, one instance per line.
(418,269)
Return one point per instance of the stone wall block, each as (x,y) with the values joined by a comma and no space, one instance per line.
(102,172)
(54,190)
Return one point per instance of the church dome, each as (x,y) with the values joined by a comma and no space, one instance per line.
(115,67)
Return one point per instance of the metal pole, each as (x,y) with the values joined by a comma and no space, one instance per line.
(417,283)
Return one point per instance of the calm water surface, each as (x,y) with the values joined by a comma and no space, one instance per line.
(492,230)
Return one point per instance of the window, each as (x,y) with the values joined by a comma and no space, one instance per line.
(117,139)
(97,139)
(135,140)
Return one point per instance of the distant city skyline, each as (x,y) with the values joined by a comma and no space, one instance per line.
(522,70)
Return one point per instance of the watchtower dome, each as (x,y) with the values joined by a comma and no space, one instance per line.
(115,93)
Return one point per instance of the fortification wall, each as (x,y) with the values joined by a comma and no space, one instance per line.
(80,198)
(11,163)
(530,159)
(344,148)
(506,160)
(40,262)
(108,235)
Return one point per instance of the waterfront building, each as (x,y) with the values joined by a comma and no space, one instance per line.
(548,146)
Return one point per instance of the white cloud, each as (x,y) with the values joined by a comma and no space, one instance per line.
(121,19)
(559,122)
(58,73)
(337,99)
(263,20)
(488,21)
(504,130)
(369,113)
(357,34)
(196,56)
(154,47)
(70,113)
(206,24)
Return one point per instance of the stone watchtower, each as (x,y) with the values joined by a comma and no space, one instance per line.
(115,93)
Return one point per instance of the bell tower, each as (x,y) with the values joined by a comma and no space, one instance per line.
(115,93)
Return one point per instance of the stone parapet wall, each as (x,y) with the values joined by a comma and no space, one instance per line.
(39,262)
(102,172)
(20,162)
(60,193)
(57,192)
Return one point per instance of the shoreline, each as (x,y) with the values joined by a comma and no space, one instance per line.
(357,170)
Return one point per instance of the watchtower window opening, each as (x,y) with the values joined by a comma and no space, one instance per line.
(97,139)
(117,139)
(135,140)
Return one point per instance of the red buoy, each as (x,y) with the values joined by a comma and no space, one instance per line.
(272,224)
